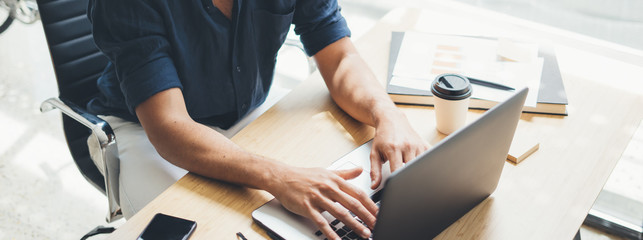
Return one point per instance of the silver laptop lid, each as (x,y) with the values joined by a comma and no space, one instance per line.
(444,183)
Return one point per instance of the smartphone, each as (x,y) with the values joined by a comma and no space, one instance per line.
(164,227)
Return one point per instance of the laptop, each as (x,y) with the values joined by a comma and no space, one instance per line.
(430,193)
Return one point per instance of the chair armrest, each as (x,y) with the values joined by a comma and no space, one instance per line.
(104,154)
(91,121)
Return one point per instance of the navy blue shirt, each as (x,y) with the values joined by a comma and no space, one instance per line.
(224,67)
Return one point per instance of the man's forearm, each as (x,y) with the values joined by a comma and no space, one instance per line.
(196,147)
(202,150)
(352,84)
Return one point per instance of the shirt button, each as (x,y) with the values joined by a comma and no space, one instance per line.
(238,68)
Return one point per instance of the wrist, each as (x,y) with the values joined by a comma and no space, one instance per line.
(386,115)
(272,175)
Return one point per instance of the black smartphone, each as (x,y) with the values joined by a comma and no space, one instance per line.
(164,227)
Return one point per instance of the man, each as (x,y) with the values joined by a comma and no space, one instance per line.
(186,70)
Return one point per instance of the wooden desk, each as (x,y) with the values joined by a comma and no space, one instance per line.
(545,197)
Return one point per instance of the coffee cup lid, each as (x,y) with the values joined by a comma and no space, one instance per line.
(451,86)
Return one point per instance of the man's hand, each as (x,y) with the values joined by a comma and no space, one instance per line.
(394,141)
(311,191)
(356,90)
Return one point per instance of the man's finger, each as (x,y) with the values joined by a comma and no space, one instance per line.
(395,160)
(358,202)
(322,224)
(360,195)
(376,169)
(409,155)
(425,147)
(356,192)
(348,174)
(343,215)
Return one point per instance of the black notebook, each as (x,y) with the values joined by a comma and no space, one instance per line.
(552,98)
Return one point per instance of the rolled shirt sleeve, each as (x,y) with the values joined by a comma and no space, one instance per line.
(319,23)
(131,34)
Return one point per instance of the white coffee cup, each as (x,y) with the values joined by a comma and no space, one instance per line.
(451,100)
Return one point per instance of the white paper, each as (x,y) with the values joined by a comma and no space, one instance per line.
(517,52)
(423,57)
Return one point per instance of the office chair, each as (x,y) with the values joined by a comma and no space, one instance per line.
(77,64)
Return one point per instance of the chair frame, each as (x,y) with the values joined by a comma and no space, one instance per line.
(107,159)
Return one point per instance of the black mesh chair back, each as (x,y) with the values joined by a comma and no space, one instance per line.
(77,63)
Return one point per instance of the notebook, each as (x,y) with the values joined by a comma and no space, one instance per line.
(551,97)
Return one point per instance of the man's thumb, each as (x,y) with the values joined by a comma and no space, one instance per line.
(349,173)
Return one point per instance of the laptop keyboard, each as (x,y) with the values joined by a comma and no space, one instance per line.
(343,231)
